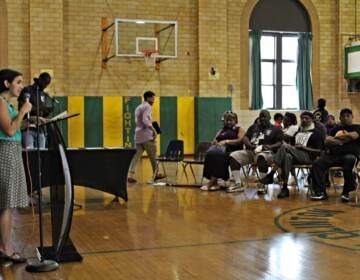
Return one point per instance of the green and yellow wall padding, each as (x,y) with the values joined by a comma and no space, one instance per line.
(108,121)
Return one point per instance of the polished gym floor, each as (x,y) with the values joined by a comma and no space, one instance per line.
(167,232)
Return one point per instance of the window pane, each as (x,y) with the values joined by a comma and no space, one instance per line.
(267,73)
(267,47)
(268,96)
(290,98)
(289,48)
(289,73)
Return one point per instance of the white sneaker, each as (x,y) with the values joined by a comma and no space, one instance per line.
(204,188)
(239,187)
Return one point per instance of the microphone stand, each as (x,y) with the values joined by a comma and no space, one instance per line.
(41,264)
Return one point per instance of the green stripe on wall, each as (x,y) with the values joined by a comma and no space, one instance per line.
(59,108)
(168,121)
(129,106)
(208,113)
(93,108)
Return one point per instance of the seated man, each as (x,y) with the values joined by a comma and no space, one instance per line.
(308,143)
(342,149)
(261,141)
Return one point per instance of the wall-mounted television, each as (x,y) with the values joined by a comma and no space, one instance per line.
(352,61)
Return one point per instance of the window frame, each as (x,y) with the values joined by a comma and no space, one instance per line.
(277,67)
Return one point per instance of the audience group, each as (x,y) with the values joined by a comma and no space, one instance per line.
(275,148)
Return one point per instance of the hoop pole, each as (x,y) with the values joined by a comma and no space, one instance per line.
(104,42)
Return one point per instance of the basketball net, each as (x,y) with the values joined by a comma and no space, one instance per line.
(150,57)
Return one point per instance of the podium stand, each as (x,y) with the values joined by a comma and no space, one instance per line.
(102,169)
(61,196)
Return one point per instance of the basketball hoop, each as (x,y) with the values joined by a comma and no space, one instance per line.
(150,57)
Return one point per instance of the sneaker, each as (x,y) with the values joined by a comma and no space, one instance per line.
(345,197)
(319,195)
(261,188)
(131,180)
(267,179)
(236,188)
(283,193)
(205,187)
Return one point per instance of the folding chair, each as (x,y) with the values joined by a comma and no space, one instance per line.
(174,153)
(246,170)
(334,169)
(357,181)
(198,159)
(301,168)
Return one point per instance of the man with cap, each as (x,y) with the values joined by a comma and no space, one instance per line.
(342,148)
(309,141)
(261,140)
(46,106)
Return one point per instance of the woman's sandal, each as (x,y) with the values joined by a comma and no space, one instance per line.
(4,260)
(17,258)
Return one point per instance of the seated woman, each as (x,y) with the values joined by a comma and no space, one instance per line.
(227,140)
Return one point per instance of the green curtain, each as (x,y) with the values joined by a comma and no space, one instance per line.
(303,72)
(256,95)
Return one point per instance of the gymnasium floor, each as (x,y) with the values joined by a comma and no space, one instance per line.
(182,233)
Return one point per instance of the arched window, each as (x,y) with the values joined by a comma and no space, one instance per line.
(279,25)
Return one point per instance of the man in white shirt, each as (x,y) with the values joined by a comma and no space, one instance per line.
(145,135)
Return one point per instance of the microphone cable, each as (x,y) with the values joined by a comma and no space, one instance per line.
(31,196)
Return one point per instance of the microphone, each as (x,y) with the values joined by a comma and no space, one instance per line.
(27,99)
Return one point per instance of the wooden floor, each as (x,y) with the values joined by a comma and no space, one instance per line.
(182,233)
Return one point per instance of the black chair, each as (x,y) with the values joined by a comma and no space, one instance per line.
(174,153)
(198,159)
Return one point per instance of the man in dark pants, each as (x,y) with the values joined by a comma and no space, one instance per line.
(46,106)
(309,141)
(261,141)
(342,149)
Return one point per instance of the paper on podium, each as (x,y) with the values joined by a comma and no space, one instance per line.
(59,116)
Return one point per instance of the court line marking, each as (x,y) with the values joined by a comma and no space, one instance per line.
(175,246)
(310,236)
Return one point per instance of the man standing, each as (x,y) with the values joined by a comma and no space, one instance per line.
(145,135)
(29,137)
(320,114)
(342,149)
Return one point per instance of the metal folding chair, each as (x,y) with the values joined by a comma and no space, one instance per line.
(301,168)
(198,159)
(174,153)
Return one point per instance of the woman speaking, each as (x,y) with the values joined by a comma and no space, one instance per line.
(13,192)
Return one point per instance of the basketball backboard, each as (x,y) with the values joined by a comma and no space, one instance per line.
(134,36)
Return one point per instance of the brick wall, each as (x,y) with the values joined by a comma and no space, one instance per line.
(64,36)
